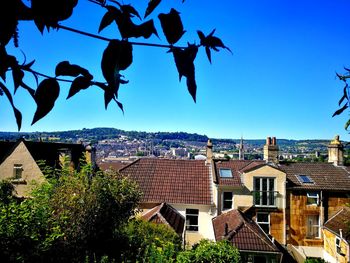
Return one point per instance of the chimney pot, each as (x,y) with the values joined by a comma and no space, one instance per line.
(274,141)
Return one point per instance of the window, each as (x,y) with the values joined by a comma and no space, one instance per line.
(192,219)
(227,200)
(337,245)
(263,220)
(225,173)
(17,171)
(304,179)
(264,191)
(312,198)
(313,226)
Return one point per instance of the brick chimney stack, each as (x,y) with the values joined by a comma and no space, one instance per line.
(271,150)
(335,152)
(209,151)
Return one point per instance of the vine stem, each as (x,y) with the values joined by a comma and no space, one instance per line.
(109,39)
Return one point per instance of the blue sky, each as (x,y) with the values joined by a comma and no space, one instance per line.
(280,80)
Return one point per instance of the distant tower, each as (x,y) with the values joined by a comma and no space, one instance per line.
(241,150)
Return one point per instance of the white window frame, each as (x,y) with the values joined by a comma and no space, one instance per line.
(223,200)
(263,222)
(17,171)
(190,214)
(310,225)
(338,245)
(260,191)
(313,196)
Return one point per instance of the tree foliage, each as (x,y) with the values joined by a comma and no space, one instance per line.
(116,58)
(344,100)
(74,218)
(208,251)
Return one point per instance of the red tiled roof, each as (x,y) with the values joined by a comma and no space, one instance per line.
(166,214)
(325,176)
(116,166)
(236,167)
(242,232)
(340,221)
(171,181)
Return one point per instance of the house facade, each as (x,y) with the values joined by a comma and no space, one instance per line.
(289,202)
(19,161)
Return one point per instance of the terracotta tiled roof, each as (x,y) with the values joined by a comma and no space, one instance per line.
(236,167)
(115,166)
(171,181)
(324,176)
(166,214)
(242,232)
(340,221)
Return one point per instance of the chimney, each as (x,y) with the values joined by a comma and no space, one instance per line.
(209,151)
(335,152)
(90,153)
(271,150)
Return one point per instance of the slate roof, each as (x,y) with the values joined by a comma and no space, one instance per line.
(340,221)
(324,176)
(236,166)
(166,214)
(242,232)
(171,181)
(44,151)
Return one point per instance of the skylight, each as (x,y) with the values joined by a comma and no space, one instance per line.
(225,173)
(305,179)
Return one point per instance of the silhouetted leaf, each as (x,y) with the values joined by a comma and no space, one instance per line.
(6,61)
(18,114)
(172,26)
(152,4)
(211,42)
(64,68)
(340,110)
(29,65)
(184,60)
(130,10)
(347,124)
(48,13)
(78,84)
(45,97)
(106,20)
(17,75)
(29,89)
(120,105)
(345,95)
(116,57)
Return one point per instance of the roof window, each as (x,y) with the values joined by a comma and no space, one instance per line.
(225,172)
(304,179)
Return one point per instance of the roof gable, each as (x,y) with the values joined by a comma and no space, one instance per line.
(166,214)
(340,222)
(242,232)
(171,181)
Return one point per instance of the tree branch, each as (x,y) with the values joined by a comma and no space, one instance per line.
(109,39)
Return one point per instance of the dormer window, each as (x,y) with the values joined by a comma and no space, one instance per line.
(304,179)
(225,173)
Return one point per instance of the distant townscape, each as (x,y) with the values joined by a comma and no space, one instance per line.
(119,145)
